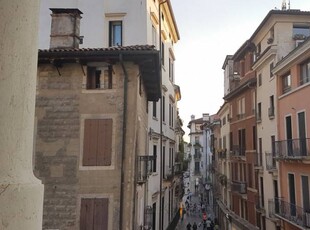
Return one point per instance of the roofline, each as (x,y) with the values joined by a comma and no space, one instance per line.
(173,19)
(228,57)
(277,12)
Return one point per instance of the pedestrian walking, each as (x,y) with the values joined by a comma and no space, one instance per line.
(194,226)
(189,226)
(208,224)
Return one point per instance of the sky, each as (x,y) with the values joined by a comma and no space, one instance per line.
(210,30)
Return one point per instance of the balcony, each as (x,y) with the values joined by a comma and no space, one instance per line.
(292,148)
(258,160)
(168,174)
(270,162)
(197,156)
(238,186)
(288,211)
(237,151)
(144,168)
(259,201)
(177,169)
(222,153)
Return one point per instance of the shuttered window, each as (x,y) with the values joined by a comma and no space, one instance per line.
(94,214)
(97,142)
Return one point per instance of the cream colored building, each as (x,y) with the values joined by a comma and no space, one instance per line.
(274,38)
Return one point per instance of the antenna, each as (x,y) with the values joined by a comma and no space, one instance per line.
(289,4)
(284,5)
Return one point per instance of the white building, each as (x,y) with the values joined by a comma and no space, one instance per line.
(108,23)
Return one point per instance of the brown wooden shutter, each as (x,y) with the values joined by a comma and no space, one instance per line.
(87,214)
(91,78)
(101,212)
(90,142)
(104,142)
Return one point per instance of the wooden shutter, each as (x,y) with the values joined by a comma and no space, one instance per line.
(87,214)
(90,142)
(101,213)
(104,142)
(97,149)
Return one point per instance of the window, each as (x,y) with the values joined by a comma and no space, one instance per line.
(162,53)
(93,78)
(242,141)
(97,146)
(271,107)
(171,116)
(224,120)
(259,111)
(270,69)
(241,108)
(286,83)
(292,195)
(99,77)
(171,69)
(260,79)
(154,109)
(301,31)
(163,107)
(154,36)
(305,193)
(94,213)
(115,33)
(305,72)
(155,158)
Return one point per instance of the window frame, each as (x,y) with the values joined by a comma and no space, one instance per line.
(304,79)
(112,25)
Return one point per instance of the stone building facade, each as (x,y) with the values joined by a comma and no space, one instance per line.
(91,127)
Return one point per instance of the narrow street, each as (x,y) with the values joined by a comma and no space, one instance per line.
(191,216)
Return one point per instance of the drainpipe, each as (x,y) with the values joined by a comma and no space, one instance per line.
(123,141)
(161,117)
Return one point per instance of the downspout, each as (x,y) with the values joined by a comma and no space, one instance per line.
(123,141)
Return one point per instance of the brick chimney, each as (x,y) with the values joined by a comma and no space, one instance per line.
(65,29)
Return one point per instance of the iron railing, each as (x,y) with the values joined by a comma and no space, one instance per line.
(238,186)
(145,167)
(270,162)
(238,151)
(289,211)
(292,148)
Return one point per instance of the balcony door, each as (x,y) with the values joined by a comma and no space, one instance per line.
(288,123)
(302,133)
(292,196)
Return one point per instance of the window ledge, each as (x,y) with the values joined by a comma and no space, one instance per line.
(92,91)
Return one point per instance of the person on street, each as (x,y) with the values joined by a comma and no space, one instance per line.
(194,226)
(189,226)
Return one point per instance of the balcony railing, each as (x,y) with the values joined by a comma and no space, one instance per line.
(197,156)
(177,169)
(222,153)
(237,186)
(168,173)
(289,211)
(144,166)
(293,148)
(270,162)
(258,159)
(238,151)
(259,201)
